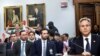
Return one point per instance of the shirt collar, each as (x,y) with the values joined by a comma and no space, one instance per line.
(89,36)
(23,41)
(31,40)
(44,40)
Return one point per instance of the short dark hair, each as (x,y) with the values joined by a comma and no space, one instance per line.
(32,32)
(12,33)
(43,30)
(57,34)
(22,31)
(66,34)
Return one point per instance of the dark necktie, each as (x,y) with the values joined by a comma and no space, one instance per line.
(87,45)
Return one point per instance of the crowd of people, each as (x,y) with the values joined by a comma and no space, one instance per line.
(48,42)
(30,42)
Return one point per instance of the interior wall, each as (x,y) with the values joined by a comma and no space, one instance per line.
(63,18)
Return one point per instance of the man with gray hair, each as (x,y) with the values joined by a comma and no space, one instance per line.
(86,43)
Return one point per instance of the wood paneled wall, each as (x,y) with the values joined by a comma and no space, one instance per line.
(87,8)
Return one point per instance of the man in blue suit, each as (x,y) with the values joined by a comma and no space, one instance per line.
(87,44)
(43,47)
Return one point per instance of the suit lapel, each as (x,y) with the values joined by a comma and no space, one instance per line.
(40,47)
(80,47)
(81,44)
(93,42)
(10,44)
(19,46)
(47,48)
(26,47)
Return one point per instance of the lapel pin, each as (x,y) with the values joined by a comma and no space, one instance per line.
(51,51)
(94,41)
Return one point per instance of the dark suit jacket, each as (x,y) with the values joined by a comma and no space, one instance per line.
(36,49)
(59,46)
(8,46)
(9,51)
(2,49)
(39,17)
(77,47)
(17,48)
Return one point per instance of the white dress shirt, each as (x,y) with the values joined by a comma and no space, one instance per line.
(66,43)
(23,47)
(12,45)
(85,42)
(37,36)
(31,40)
(44,49)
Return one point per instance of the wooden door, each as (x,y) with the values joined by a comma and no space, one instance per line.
(86,10)
(83,1)
(97,10)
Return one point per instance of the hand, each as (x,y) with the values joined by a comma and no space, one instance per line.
(7,27)
(86,54)
(68,48)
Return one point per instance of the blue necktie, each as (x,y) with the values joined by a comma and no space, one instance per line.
(44,49)
(87,45)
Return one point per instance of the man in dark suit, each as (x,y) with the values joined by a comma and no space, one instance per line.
(37,18)
(43,47)
(87,43)
(9,46)
(32,37)
(13,39)
(22,46)
(58,43)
